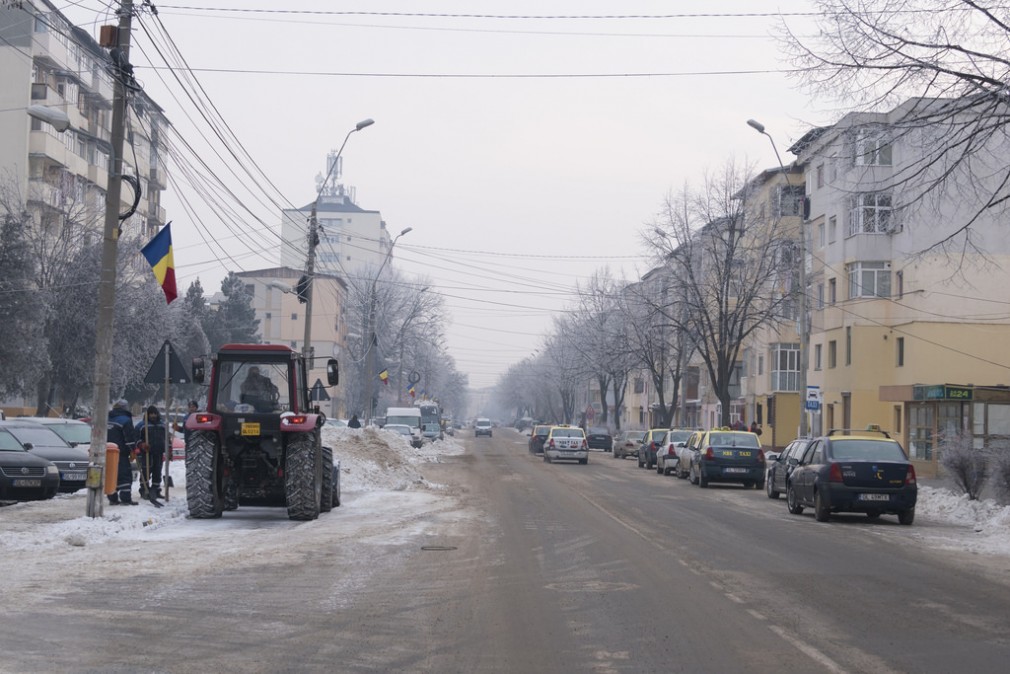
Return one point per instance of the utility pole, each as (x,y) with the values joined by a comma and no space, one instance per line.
(107,281)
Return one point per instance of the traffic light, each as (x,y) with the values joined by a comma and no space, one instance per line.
(302,289)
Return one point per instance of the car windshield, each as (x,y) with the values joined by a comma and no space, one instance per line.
(8,443)
(635,435)
(678,436)
(659,436)
(249,386)
(431,427)
(734,440)
(597,430)
(866,450)
(483,422)
(39,436)
(398,428)
(79,433)
(542,430)
(567,433)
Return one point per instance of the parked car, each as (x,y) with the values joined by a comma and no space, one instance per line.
(76,432)
(726,456)
(651,443)
(779,466)
(669,453)
(72,462)
(627,443)
(567,443)
(482,427)
(336,423)
(431,432)
(854,471)
(599,437)
(24,476)
(537,438)
(406,431)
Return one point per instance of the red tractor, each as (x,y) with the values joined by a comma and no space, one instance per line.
(259,441)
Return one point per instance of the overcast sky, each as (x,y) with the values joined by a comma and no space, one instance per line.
(527,146)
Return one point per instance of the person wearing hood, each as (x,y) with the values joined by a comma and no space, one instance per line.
(151,440)
(122,433)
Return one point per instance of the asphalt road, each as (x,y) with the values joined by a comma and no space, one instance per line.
(521,566)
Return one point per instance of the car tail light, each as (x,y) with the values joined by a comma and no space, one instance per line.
(709,454)
(835,473)
(551,443)
(295,419)
(910,476)
(671,451)
(585,444)
(204,418)
(761,456)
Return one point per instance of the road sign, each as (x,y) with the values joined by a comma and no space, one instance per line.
(318,391)
(177,373)
(813,399)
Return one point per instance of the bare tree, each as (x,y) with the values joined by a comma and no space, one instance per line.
(723,262)
(950,58)
(968,466)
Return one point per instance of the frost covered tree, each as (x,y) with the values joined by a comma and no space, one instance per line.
(722,264)
(235,320)
(22,341)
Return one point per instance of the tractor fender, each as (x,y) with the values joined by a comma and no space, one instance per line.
(292,422)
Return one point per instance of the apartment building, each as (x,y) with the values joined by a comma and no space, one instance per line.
(904,335)
(63,176)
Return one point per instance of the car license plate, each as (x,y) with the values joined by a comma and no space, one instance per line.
(250,428)
(874,497)
(735,470)
(567,453)
(74,475)
(20,482)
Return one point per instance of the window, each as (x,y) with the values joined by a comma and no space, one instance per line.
(870,213)
(790,200)
(872,148)
(268,315)
(832,291)
(899,278)
(832,353)
(832,229)
(848,345)
(761,364)
(639,385)
(820,175)
(785,367)
(899,347)
(817,356)
(820,235)
(869,279)
(294,316)
(820,295)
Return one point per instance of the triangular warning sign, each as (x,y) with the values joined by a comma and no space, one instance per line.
(176,372)
(318,391)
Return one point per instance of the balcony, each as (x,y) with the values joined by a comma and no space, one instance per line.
(49,48)
(44,144)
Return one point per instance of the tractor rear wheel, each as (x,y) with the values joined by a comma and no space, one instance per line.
(303,478)
(203,474)
(326,498)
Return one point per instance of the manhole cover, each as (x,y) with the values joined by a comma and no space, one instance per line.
(438,548)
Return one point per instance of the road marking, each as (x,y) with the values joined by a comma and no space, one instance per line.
(756,615)
(807,649)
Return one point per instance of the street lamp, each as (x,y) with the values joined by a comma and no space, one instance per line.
(370,349)
(310,262)
(804,332)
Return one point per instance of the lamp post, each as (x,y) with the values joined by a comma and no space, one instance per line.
(370,332)
(804,333)
(310,262)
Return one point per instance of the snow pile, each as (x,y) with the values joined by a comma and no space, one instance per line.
(986,522)
(374,460)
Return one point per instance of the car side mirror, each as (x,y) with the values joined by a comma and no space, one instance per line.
(198,370)
(29,446)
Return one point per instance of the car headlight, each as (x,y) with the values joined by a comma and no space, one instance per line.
(51,469)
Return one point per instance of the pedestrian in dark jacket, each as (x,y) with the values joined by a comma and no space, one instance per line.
(122,433)
(754,428)
(354,423)
(151,439)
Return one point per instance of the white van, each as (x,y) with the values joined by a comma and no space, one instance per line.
(409,416)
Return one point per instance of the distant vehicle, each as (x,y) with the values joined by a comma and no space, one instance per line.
(410,416)
(72,462)
(402,429)
(77,433)
(336,423)
(864,471)
(430,413)
(669,454)
(538,437)
(599,437)
(432,432)
(627,443)
(24,476)
(482,427)
(566,443)
(723,455)
(650,447)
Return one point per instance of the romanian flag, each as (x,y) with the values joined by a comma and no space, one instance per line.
(410,389)
(159,255)
(384,376)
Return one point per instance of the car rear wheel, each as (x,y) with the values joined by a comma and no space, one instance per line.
(907,516)
(821,510)
(694,478)
(873,514)
(792,502)
(659,469)
(702,480)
